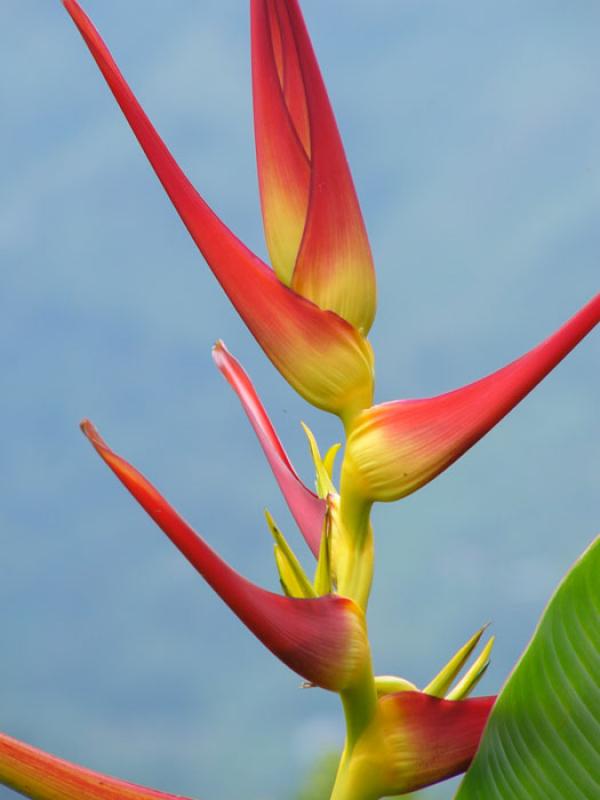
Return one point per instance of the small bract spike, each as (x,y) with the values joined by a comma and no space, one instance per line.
(330,456)
(323,483)
(446,677)
(322,581)
(287,581)
(291,573)
(476,672)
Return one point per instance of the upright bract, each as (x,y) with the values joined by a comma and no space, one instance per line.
(324,357)
(311,314)
(313,224)
(307,509)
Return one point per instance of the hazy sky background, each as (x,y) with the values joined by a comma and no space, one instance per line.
(473,131)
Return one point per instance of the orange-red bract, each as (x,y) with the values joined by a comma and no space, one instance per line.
(313,223)
(307,509)
(430,739)
(415,740)
(323,357)
(322,639)
(41,776)
(397,447)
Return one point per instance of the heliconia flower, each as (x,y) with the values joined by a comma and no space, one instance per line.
(325,358)
(40,776)
(395,448)
(307,509)
(313,224)
(417,740)
(322,639)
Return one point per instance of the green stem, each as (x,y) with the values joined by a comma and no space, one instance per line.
(354,566)
(360,706)
(346,786)
(355,570)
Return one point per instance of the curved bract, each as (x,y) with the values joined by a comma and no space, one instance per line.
(307,509)
(40,776)
(415,740)
(325,358)
(322,639)
(396,448)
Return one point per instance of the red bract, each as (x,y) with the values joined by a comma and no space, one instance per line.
(323,356)
(428,739)
(322,639)
(395,448)
(313,224)
(413,740)
(307,509)
(41,776)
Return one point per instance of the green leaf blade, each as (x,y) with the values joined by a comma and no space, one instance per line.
(542,741)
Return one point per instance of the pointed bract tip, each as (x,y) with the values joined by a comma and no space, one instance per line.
(75,11)
(221,357)
(89,430)
(448,674)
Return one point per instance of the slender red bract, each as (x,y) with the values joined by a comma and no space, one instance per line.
(322,639)
(323,357)
(307,509)
(41,776)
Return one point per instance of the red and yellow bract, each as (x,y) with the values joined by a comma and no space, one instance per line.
(396,448)
(313,224)
(307,509)
(324,357)
(322,639)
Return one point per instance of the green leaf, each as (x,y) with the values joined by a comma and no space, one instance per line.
(542,741)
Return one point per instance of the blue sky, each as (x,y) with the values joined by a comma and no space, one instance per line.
(473,131)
